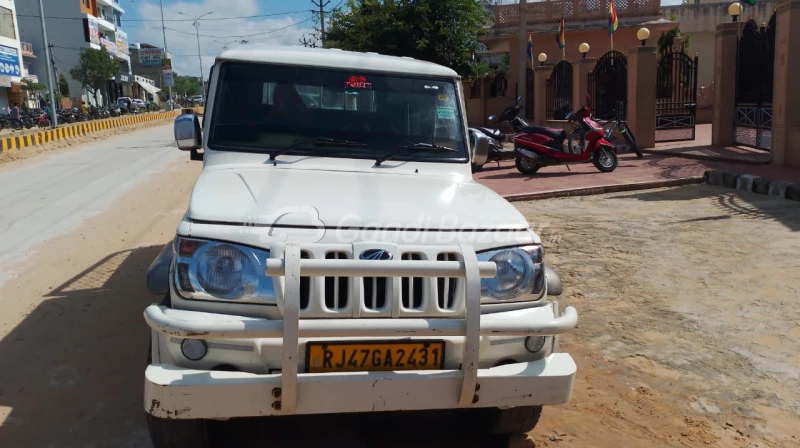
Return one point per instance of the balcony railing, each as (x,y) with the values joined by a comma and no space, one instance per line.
(27,49)
(551,11)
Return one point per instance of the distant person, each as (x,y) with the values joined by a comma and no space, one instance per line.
(84,109)
(15,117)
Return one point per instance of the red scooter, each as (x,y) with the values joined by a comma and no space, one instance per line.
(537,147)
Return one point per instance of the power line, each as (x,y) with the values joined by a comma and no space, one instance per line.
(243,35)
(33,16)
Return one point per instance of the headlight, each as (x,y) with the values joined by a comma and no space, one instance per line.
(520,274)
(214,270)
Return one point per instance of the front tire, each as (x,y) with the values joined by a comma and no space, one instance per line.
(518,420)
(605,159)
(626,132)
(526,165)
(174,433)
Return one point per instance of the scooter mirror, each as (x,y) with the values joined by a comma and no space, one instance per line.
(569,114)
(492,117)
(519,98)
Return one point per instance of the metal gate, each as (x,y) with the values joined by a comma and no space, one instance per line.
(608,85)
(754,81)
(559,91)
(529,93)
(676,97)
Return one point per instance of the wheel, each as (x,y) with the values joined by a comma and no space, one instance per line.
(605,159)
(518,420)
(476,168)
(526,166)
(626,132)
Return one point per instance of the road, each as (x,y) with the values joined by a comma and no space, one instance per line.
(687,336)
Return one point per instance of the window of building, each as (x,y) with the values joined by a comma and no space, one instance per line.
(7,23)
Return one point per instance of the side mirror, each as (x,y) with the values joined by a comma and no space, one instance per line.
(569,114)
(188,135)
(492,117)
(480,147)
(519,98)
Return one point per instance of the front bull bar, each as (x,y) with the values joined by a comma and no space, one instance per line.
(290,328)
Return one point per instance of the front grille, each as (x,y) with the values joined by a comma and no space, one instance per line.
(336,297)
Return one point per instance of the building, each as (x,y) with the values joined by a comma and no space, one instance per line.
(147,61)
(589,24)
(71,26)
(12,68)
(699,20)
(145,89)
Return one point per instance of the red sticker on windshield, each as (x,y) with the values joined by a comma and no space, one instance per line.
(358,82)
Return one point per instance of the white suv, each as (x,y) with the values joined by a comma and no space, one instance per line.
(338,257)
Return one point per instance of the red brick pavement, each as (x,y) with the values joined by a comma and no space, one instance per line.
(507,181)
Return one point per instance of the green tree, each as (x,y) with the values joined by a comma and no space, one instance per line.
(665,41)
(32,88)
(63,85)
(185,85)
(439,31)
(94,70)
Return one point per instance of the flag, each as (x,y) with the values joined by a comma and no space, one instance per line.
(750,2)
(613,20)
(560,40)
(530,47)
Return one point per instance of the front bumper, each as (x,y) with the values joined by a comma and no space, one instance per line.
(173,392)
(185,393)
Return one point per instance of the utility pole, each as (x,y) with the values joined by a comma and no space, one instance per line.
(53,108)
(164,31)
(53,61)
(321,4)
(199,55)
(522,73)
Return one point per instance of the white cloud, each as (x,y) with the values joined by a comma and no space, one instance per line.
(181,38)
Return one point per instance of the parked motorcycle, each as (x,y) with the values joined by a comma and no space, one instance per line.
(496,138)
(537,146)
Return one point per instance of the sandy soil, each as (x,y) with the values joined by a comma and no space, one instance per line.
(15,156)
(689,331)
(688,334)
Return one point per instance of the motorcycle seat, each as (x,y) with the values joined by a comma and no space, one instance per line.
(557,134)
(493,133)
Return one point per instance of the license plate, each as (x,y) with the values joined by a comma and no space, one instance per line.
(362,356)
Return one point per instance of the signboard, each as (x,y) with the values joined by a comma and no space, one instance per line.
(122,42)
(9,61)
(94,31)
(123,78)
(169,81)
(150,56)
(111,47)
(166,63)
(5,81)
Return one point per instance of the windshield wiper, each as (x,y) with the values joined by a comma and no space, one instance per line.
(413,148)
(321,141)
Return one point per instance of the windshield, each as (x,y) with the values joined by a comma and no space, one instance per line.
(264,108)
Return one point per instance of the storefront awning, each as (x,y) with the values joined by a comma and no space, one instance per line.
(152,90)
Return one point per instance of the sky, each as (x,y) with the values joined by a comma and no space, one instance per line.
(278,22)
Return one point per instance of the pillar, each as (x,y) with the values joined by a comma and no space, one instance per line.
(580,80)
(641,113)
(724,111)
(785,94)
(522,50)
(540,76)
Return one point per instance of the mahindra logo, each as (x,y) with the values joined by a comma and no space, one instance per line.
(375,254)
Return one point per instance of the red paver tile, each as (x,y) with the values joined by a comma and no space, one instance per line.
(506,180)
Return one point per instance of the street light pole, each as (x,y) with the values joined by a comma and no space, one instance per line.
(164,31)
(50,80)
(199,54)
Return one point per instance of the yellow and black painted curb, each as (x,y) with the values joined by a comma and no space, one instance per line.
(73,130)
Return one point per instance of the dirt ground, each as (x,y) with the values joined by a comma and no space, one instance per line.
(688,334)
(689,330)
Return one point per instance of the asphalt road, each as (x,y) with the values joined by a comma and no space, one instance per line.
(48,196)
(79,229)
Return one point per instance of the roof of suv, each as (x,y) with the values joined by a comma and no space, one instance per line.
(335,58)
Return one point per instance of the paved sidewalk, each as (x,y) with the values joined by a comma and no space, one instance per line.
(632,173)
(701,148)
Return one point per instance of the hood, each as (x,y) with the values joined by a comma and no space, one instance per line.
(284,197)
